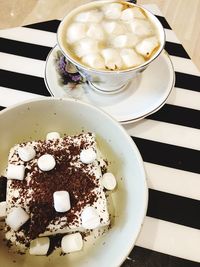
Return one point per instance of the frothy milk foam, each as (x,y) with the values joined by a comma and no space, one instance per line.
(110,36)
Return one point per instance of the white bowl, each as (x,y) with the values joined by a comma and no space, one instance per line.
(32,120)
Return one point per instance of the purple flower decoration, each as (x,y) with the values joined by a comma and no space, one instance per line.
(68,71)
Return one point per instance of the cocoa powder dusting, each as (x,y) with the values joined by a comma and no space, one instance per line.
(68,176)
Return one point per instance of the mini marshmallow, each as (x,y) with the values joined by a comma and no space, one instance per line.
(95,31)
(146,47)
(2,210)
(132,13)
(52,136)
(76,32)
(94,61)
(61,201)
(86,46)
(108,181)
(88,155)
(112,58)
(90,218)
(131,58)
(15,172)
(82,17)
(16,218)
(125,40)
(46,162)
(113,10)
(71,243)
(26,153)
(39,246)
(113,27)
(141,27)
(89,16)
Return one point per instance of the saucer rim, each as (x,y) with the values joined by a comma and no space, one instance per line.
(120,121)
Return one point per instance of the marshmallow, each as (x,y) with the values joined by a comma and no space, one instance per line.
(16,218)
(113,27)
(95,31)
(141,27)
(112,58)
(26,153)
(94,61)
(113,10)
(125,40)
(15,172)
(108,181)
(39,246)
(89,16)
(61,201)
(46,162)
(132,13)
(71,243)
(146,47)
(131,58)
(2,210)
(90,218)
(52,136)
(86,46)
(88,155)
(76,32)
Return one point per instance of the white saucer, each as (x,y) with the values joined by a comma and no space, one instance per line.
(146,94)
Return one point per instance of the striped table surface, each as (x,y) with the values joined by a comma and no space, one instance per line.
(169,142)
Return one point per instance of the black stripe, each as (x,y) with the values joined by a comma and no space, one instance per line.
(1,108)
(173,208)
(169,155)
(40,52)
(178,115)
(50,26)
(24,49)
(23,82)
(187,81)
(175,49)
(164,22)
(142,257)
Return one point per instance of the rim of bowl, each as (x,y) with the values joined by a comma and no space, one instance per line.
(126,135)
(137,68)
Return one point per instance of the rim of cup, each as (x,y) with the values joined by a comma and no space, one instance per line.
(151,16)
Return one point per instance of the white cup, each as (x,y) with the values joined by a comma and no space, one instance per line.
(107,81)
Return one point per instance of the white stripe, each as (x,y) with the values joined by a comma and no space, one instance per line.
(46,38)
(23,65)
(184,65)
(173,181)
(184,98)
(171,36)
(12,97)
(153,8)
(170,238)
(165,132)
(28,35)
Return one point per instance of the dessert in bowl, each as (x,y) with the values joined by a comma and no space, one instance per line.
(110,42)
(81,127)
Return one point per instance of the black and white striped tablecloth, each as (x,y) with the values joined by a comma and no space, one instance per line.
(169,142)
